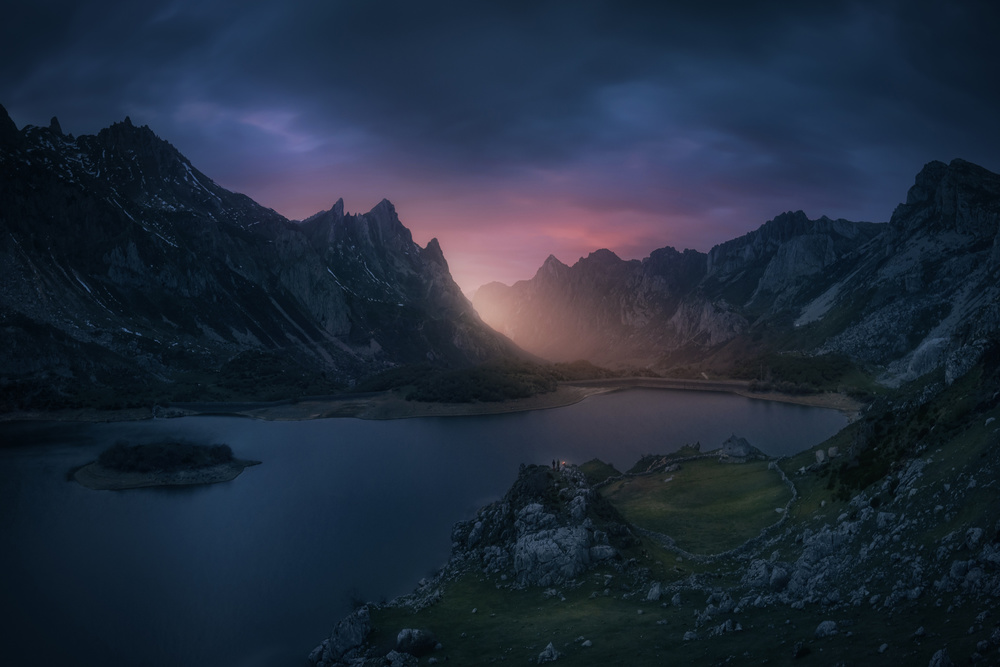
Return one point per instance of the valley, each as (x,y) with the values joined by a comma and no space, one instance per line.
(139,292)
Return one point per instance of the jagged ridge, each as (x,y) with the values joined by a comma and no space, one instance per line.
(918,293)
(124,265)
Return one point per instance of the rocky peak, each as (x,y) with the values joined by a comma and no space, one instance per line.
(55,127)
(9,135)
(338,209)
(385,223)
(601,257)
(551,267)
(433,253)
(124,137)
(960,197)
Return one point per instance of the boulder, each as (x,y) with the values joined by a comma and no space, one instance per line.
(654,592)
(416,642)
(550,654)
(826,629)
(940,659)
(737,448)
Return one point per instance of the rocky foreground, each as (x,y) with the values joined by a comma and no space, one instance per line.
(903,570)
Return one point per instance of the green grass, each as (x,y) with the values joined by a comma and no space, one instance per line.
(515,626)
(597,471)
(707,507)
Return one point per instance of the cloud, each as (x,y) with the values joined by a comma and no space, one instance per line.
(685,125)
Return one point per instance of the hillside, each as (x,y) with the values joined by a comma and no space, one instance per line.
(886,552)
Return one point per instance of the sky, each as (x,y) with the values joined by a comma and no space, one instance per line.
(514,130)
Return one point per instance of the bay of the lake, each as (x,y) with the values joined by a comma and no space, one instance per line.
(256,571)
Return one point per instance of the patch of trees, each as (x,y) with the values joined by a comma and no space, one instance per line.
(163,456)
(794,373)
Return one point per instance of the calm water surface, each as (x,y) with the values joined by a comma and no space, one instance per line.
(257,570)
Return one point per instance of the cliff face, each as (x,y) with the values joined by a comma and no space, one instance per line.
(119,257)
(927,292)
(910,296)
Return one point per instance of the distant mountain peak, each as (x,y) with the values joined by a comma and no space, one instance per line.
(384,209)
(959,196)
(338,209)
(8,130)
(551,267)
(552,260)
(603,256)
(434,253)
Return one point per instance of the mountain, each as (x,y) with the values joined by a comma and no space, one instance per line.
(613,311)
(124,266)
(918,293)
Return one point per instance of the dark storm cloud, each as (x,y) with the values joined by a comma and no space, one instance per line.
(722,114)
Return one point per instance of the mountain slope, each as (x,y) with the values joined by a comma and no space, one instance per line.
(670,303)
(907,297)
(123,265)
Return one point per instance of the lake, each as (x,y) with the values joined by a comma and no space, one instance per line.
(256,571)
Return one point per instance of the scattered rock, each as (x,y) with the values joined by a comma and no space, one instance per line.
(940,659)
(800,650)
(654,592)
(826,629)
(550,654)
(397,659)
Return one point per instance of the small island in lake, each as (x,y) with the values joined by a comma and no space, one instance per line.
(124,466)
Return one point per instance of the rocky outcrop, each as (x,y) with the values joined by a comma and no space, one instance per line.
(549,529)
(739,449)
(346,641)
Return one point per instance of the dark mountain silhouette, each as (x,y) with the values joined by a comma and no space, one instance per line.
(126,267)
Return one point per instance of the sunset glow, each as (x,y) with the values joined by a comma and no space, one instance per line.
(512,133)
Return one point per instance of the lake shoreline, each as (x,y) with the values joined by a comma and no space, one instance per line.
(392,405)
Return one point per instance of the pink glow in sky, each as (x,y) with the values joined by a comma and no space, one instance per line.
(515,130)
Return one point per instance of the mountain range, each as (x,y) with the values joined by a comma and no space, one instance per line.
(904,297)
(125,269)
(128,273)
